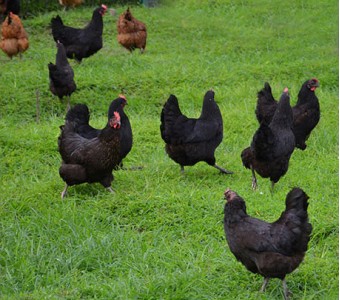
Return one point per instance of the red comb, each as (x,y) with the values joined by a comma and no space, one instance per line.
(104,6)
(117,115)
(122,96)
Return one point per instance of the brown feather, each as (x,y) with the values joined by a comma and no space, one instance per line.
(131,32)
(71,3)
(14,37)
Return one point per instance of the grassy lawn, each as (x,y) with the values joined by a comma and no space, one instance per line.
(160,236)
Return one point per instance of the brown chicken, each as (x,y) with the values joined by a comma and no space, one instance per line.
(272,250)
(70,3)
(131,32)
(14,38)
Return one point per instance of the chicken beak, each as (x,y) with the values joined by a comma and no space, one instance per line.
(315,84)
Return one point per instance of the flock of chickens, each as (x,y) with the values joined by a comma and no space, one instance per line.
(90,155)
(270,249)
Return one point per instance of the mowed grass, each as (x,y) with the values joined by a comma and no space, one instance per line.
(160,236)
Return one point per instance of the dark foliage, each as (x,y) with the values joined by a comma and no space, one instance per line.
(34,7)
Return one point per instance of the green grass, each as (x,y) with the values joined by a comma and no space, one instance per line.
(161,235)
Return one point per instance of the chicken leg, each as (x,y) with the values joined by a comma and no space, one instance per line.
(286,292)
(264,285)
(63,193)
(272,187)
(224,171)
(68,103)
(110,189)
(253,181)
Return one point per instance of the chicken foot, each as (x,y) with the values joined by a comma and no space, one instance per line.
(63,193)
(224,171)
(286,292)
(133,168)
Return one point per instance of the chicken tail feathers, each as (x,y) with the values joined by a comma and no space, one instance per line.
(266,93)
(171,107)
(297,218)
(263,142)
(169,115)
(52,67)
(297,199)
(266,104)
(56,21)
(247,158)
(56,25)
(78,115)
(267,88)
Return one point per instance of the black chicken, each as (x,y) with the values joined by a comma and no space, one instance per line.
(81,116)
(306,112)
(272,144)
(92,157)
(80,43)
(272,250)
(189,141)
(61,76)
(266,104)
